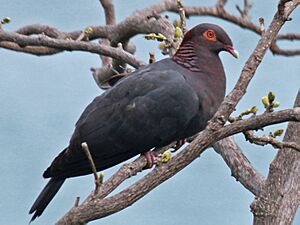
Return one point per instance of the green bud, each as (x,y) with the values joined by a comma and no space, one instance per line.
(254,109)
(150,36)
(89,30)
(101,175)
(166,156)
(265,101)
(160,37)
(178,32)
(276,104)
(271,97)
(278,132)
(247,112)
(6,20)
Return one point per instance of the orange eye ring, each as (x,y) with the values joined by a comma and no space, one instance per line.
(210,35)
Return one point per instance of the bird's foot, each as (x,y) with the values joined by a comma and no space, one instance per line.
(179,144)
(151,157)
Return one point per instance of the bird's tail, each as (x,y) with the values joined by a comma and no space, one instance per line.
(45,197)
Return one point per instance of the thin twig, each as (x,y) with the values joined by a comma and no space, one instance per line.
(264,140)
(77,200)
(245,11)
(86,150)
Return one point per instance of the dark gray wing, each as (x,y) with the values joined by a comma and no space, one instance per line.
(148,109)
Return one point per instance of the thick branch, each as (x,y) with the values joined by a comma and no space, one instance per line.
(239,165)
(281,197)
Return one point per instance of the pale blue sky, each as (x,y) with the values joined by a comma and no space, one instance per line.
(42,97)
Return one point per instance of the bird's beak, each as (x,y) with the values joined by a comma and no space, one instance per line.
(232,51)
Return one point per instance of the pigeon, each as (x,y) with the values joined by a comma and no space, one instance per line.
(166,101)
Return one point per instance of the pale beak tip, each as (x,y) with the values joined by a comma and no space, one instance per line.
(232,51)
(236,54)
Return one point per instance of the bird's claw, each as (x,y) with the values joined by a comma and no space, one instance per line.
(151,157)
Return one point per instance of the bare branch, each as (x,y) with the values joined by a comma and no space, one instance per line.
(276,50)
(98,31)
(71,45)
(245,11)
(110,19)
(106,71)
(109,11)
(239,165)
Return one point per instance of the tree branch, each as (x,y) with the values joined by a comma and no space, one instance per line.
(260,121)
(109,11)
(239,165)
(71,45)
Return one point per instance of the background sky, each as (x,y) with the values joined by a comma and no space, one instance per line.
(42,97)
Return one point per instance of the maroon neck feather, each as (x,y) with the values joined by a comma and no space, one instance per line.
(187,57)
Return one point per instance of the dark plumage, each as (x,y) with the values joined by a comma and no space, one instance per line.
(163,102)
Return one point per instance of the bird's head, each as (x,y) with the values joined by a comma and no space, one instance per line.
(212,37)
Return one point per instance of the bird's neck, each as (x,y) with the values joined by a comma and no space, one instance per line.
(207,72)
(196,58)
(187,57)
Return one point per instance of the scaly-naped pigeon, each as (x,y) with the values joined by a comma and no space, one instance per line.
(163,102)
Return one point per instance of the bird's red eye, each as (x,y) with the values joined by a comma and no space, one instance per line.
(210,35)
